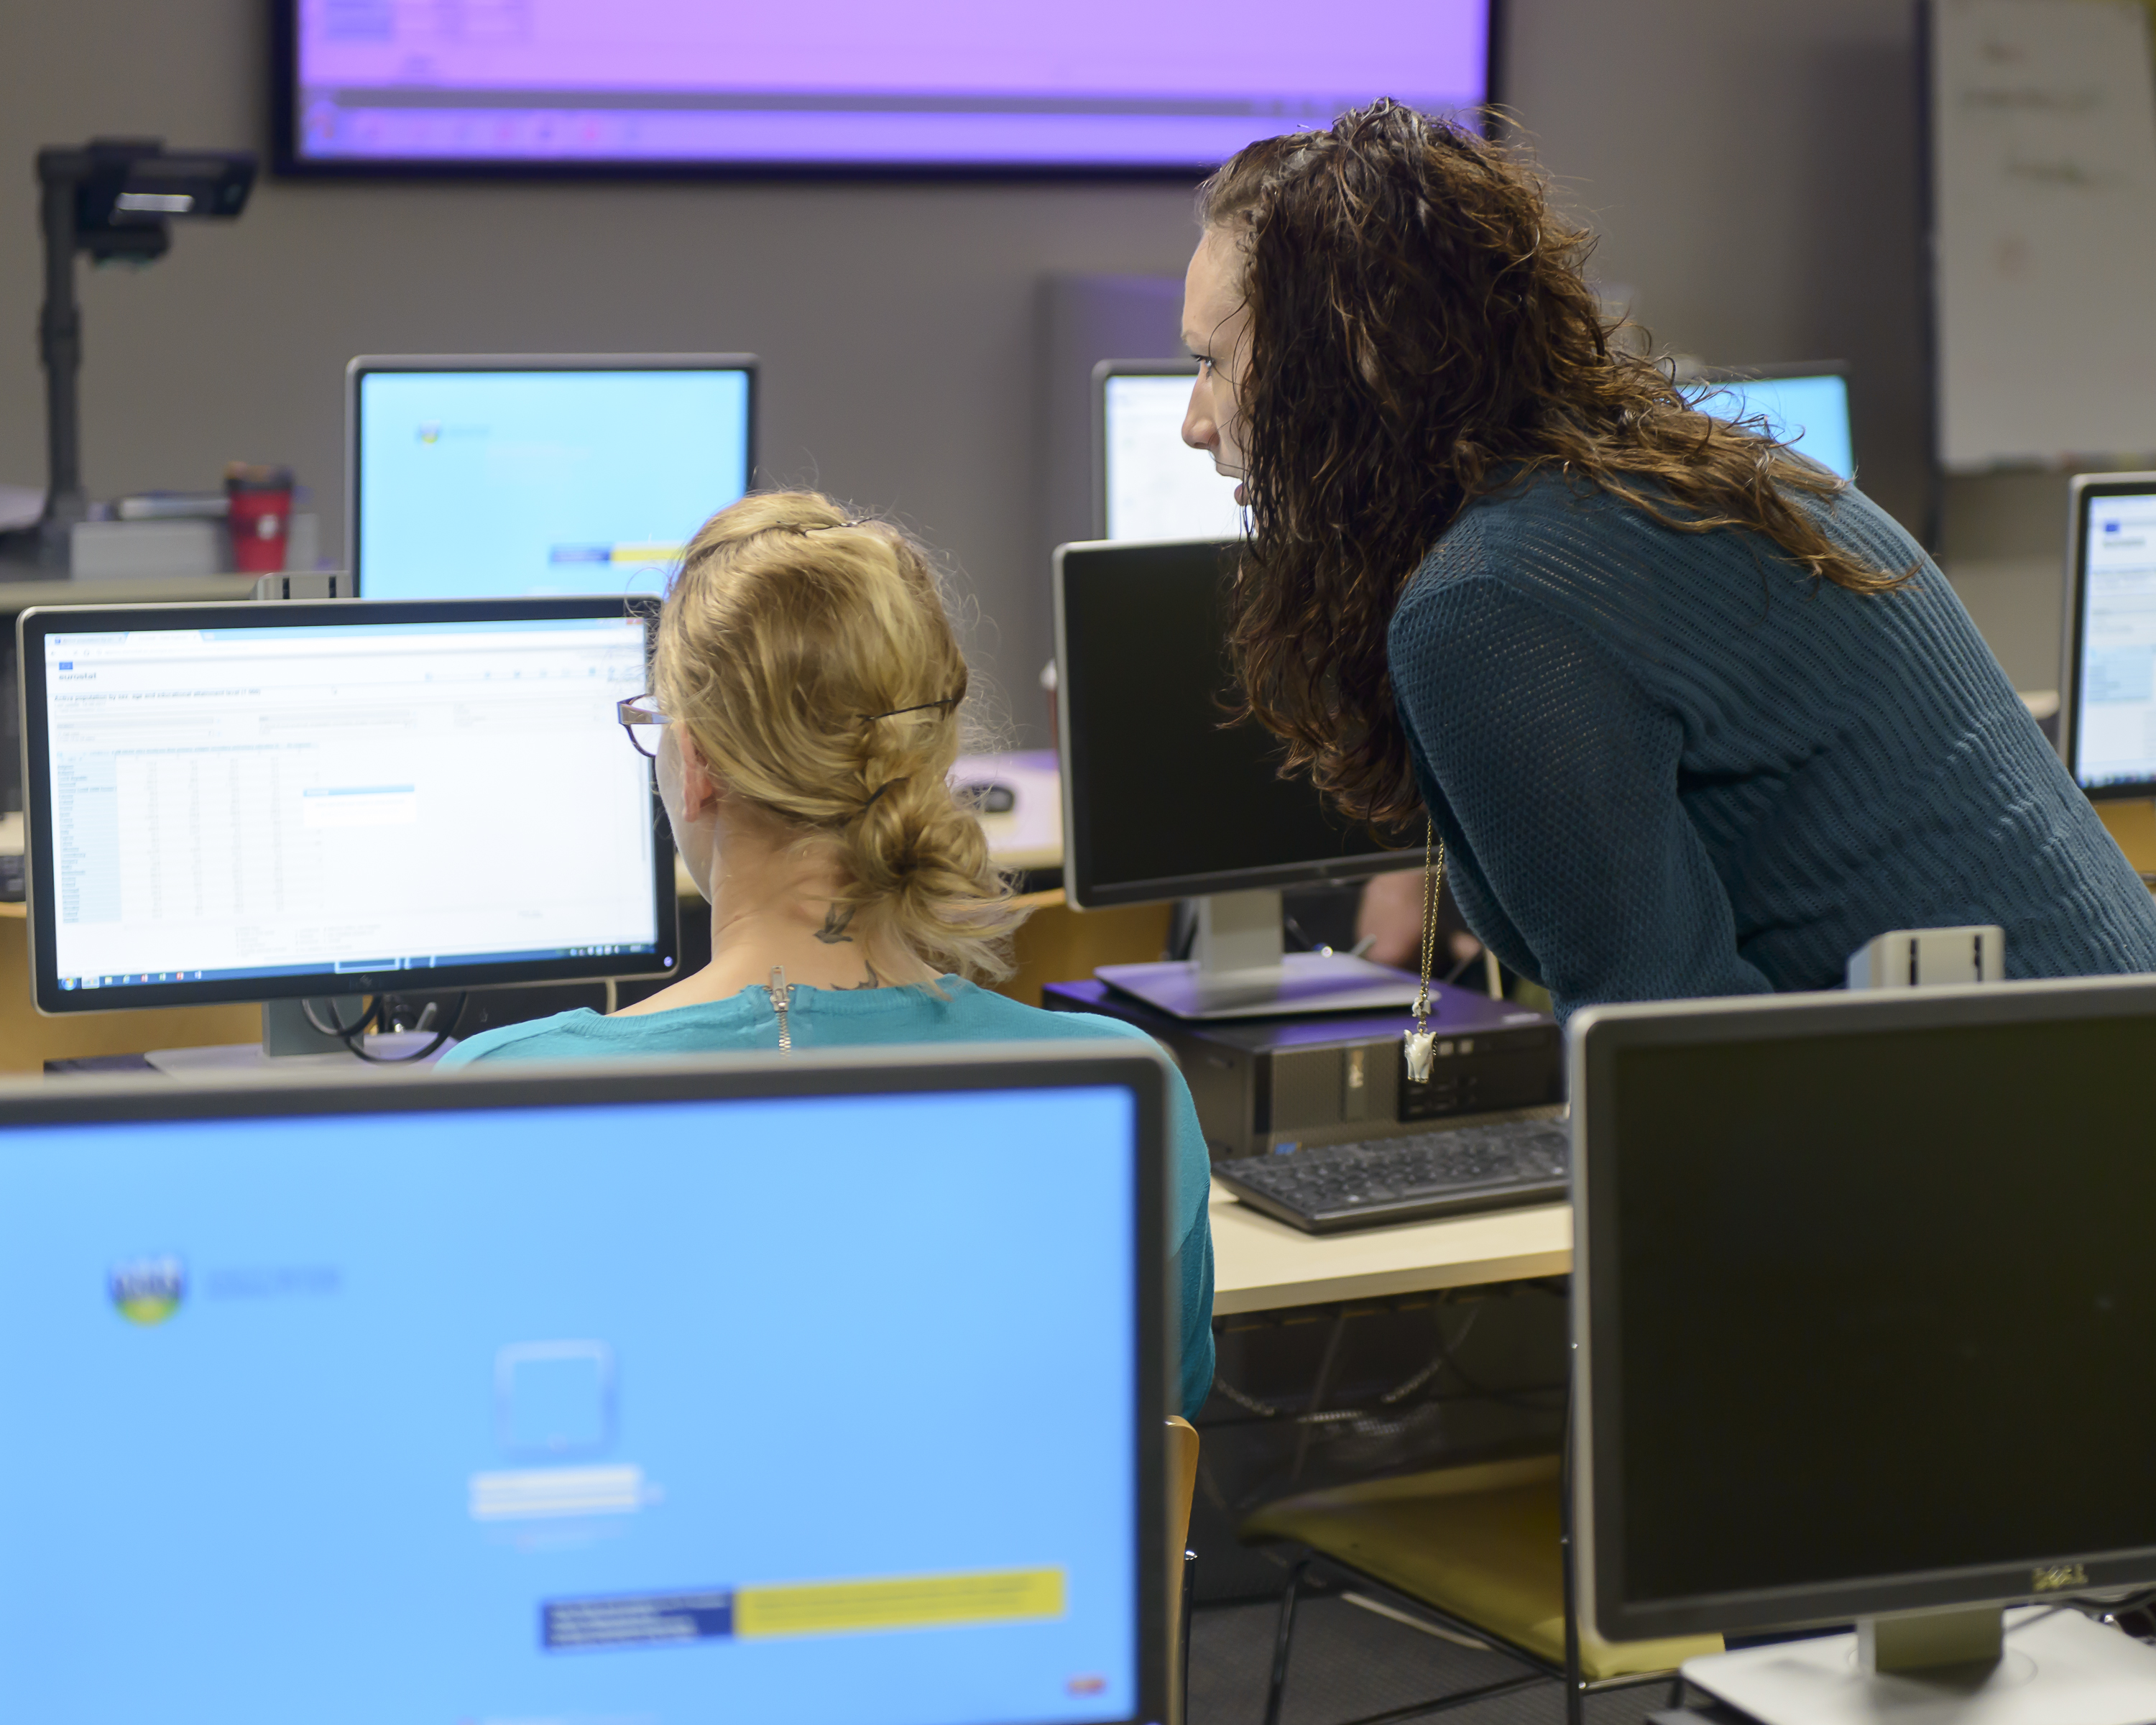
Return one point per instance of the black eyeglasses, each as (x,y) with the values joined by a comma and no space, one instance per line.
(640,719)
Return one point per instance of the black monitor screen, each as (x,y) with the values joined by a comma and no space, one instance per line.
(1162,797)
(1869,1306)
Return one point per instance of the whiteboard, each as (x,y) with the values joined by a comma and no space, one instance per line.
(2044,230)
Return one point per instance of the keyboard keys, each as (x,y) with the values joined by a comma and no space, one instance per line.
(1334,1186)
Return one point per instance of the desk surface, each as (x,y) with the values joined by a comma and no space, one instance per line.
(1259,1264)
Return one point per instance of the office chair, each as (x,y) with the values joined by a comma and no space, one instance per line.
(1181,1561)
(1482,1550)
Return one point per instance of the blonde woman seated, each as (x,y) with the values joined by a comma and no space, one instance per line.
(807,683)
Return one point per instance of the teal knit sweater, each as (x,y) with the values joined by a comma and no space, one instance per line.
(1669,764)
(852,1018)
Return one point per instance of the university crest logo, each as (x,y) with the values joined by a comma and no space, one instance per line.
(148,1290)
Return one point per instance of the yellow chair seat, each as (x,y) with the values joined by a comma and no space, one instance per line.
(1480,1544)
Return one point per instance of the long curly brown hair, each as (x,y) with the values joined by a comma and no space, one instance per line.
(1421,334)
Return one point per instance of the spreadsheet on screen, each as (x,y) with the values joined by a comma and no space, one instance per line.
(260,801)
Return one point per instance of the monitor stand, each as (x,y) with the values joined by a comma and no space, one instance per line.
(290,1043)
(2053,1666)
(1238,970)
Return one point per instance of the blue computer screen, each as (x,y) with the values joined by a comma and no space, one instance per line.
(690,1411)
(497,484)
(1809,413)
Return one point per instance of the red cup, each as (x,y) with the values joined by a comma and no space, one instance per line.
(259,509)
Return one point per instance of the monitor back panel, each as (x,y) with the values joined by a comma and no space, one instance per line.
(1162,797)
(1148,483)
(242,802)
(562,1397)
(496,476)
(1864,1286)
(2107,681)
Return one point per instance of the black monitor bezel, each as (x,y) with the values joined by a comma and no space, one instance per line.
(853,1072)
(1599,1037)
(51,1000)
(1081,885)
(286,161)
(365,365)
(2085,490)
(1768,373)
(1102,373)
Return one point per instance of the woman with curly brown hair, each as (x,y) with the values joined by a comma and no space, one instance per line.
(1691,716)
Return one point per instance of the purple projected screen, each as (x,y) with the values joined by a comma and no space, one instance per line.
(1111,84)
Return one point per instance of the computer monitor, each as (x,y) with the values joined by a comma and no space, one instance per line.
(256,802)
(705,1390)
(1147,483)
(1864,1298)
(2107,679)
(1806,406)
(1162,798)
(495,476)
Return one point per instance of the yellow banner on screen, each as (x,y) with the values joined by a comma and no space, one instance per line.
(899,1602)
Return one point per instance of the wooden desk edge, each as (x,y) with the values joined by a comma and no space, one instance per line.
(1411,1258)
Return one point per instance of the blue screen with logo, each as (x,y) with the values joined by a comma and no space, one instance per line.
(817,1409)
(500,484)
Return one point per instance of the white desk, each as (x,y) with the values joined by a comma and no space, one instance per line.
(1259,1264)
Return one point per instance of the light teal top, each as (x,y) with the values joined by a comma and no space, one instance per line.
(846,1018)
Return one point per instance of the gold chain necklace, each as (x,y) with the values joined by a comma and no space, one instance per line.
(1421,1042)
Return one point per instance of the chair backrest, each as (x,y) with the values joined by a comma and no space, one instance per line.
(1182,1489)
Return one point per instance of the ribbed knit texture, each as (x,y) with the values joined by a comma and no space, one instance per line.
(1669,764)
(856,1018)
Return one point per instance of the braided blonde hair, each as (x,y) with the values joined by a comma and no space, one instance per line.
(810,656)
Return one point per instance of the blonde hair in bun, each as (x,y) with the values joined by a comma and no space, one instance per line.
(810,656)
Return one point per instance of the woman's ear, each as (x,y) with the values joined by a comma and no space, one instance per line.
(698,788)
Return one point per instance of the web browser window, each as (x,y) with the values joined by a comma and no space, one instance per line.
(2115,728)
(1158,487)
(497,484)
(266,802)
(577,1414)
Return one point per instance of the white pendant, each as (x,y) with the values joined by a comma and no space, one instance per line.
(1421,1051)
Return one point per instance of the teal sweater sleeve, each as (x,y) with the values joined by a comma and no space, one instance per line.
(1191,1269)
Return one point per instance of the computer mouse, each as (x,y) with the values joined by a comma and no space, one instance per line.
(986,797)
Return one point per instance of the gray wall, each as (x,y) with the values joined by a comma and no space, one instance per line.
(1752,165)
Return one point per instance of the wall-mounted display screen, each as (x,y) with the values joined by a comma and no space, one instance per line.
(374,85)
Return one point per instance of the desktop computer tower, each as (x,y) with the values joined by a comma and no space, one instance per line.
(1263,1085)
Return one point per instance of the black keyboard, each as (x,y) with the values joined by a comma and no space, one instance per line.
(1330,1187)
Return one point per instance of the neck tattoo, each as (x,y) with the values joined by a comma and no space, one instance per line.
(836,920)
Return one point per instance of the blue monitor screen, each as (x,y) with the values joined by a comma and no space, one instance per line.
(684,1411)
(1811,414)
(499,484)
